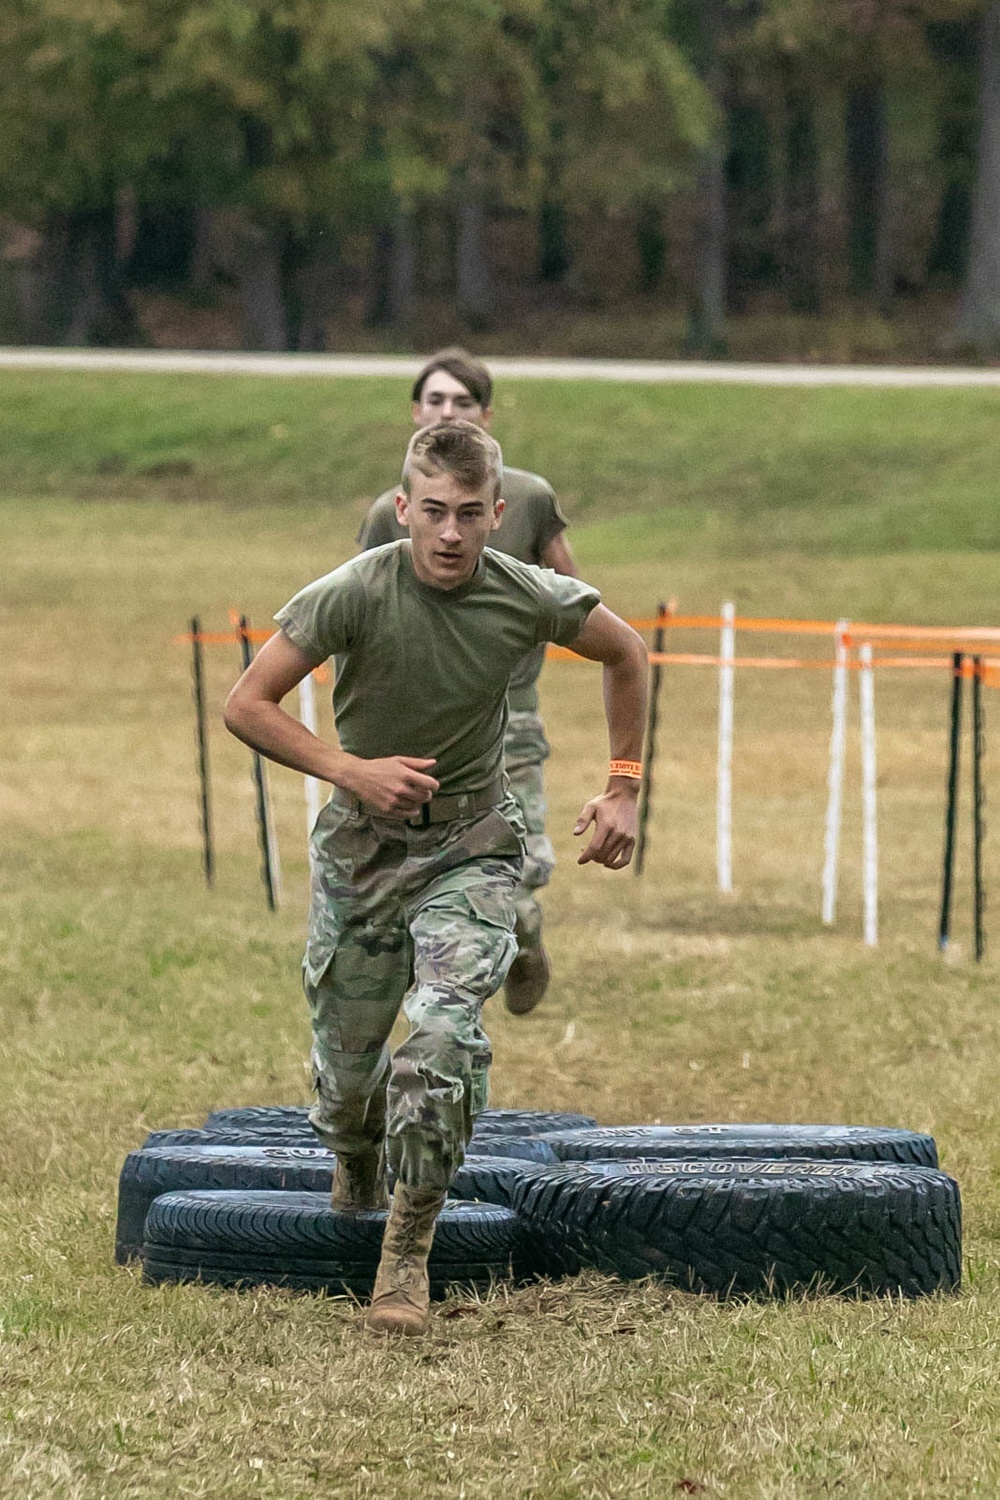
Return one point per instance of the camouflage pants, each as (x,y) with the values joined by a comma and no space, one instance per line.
(525,748)
(420,918)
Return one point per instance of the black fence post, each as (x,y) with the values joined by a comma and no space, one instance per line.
(951,811)
(978,811)
(201,721)
(265,832)
(652,717)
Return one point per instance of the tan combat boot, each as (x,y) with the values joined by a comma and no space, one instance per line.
(401,1297)
(359,1182)
(527,980)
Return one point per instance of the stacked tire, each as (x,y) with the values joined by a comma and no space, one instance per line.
(724,1209)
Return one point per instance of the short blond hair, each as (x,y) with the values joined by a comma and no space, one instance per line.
(461,449)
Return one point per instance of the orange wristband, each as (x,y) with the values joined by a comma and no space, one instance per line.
(630,768)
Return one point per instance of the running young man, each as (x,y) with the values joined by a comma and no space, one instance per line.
(453,387)
(416,856)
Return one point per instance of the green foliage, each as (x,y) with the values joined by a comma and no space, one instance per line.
(327,107)
(853,39)
(78,115)
(284,92)
(626,114)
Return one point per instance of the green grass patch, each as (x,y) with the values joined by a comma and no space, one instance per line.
(682,469)
(134,999)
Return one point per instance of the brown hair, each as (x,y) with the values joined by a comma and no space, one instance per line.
(461,366)
(461,449)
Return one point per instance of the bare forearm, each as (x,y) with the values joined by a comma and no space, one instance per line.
(266,727)
(625,701)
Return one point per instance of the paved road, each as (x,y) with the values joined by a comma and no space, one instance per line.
(634,371)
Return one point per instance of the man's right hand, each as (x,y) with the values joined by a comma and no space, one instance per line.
(396,786)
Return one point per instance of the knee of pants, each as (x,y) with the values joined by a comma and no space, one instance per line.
(432,1106)
(438,1085)
(350,1107)
(462,948)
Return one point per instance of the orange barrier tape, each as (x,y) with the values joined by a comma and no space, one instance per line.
(769,663)
(714,622)
(855,635)
(932,642)
(989,674)
(989,670)
(221,637)
(779,663)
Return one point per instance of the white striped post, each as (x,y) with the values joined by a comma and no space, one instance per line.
(724,776)
(835,774)
(869,794)
(307,714)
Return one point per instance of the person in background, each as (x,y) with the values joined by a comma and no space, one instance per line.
(453,386)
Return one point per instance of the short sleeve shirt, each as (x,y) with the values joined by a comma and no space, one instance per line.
(424,671)
(530,520)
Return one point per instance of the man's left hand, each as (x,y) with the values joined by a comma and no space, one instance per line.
(615,818)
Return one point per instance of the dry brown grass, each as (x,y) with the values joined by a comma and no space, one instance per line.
(133,999)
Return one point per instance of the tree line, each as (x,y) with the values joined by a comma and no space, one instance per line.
(731,153)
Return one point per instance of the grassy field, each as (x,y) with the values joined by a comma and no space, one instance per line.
(133,999)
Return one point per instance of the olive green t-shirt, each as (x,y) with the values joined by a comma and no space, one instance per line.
(530,520)
(424,671)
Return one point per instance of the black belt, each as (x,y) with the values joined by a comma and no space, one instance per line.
(438,809)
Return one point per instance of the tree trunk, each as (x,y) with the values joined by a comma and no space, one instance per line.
(706,321)
(749,191)
(553,242)
(403,269)
(259,284)
(867,188)
(202,250)
(45,284)
(309,276)
(71,289)
(979,314)
(801,239)
(954,46)
(253,256)
(476,284)
(706,326)
(394,273)
(651,245)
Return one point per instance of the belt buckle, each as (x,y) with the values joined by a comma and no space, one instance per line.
(421,819)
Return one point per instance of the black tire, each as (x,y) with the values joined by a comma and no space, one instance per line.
(295,1117)
(297,1240)
(518,1122)
(752,1227)
(491,1179)
(769,1142)
(250,1116)
(221,1137)
(530,1148)
(151,1172)
(146,1175)
(524,1147)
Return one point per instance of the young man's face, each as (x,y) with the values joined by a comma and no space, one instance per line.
(445,399)
(449,526)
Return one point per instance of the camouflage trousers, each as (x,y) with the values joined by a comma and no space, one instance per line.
(525,748)
(418,918)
